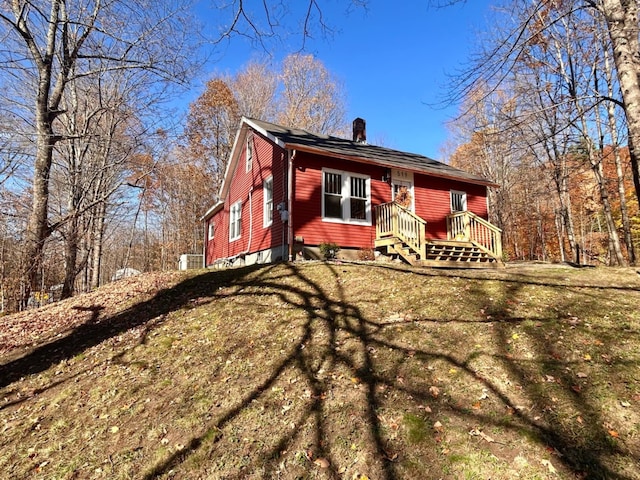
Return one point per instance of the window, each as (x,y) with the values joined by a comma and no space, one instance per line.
(458,201)
(346,197)
(211,231)
(249,153)
(267,192)
(235,220)
(332,195)
(358,209)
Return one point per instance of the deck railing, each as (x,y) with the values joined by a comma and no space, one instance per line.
(469,227)
(393,220)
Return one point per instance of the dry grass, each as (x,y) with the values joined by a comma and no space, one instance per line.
(326,370)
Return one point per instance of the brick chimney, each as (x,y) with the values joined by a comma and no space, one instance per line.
(359,130)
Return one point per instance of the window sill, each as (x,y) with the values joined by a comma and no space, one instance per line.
(364,223)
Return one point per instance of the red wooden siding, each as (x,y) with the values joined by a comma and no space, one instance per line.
(268,160)
(307,202)
(433,201)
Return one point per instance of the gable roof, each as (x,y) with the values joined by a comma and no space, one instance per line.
(298,139)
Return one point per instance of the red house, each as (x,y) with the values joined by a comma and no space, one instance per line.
(287,191)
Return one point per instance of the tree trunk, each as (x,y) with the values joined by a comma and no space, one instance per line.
(96,244)
(37,226)
(71,246)
(613,129)
(622,23)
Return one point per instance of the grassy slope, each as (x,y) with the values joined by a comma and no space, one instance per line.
(329,371)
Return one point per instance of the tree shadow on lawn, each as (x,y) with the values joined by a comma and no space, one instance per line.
(330,323)
(98,328)
(329,317)
(325,316)
(564,386)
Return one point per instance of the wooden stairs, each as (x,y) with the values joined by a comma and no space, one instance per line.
(444,254)
(472,242)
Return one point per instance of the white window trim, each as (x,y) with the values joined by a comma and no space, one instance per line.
(235,207)
(211,231)
(346,195)
(267,219)
(464,200)
(249,154)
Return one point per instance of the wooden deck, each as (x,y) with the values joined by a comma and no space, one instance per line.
(472,242)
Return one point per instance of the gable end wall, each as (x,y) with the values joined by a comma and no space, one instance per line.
(268,160)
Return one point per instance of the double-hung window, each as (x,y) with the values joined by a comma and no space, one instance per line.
(235,220)
(211,230)
(458,201)
(267,192)
(346,197)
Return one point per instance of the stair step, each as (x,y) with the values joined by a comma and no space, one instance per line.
(443,253)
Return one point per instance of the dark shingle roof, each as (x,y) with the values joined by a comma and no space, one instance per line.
(346,149)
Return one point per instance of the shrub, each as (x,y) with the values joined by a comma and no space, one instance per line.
(329,250)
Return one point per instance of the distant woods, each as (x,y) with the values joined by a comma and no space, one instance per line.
(551,112)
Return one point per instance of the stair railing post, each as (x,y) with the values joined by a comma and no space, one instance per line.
(467,226)
(394,219)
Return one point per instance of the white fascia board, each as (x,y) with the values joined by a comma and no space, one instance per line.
(212,210)
(233,161)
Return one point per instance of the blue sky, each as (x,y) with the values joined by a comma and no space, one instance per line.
(393,58)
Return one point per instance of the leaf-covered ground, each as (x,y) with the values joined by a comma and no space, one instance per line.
(326,370)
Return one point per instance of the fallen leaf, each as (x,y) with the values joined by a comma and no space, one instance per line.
(625,404)
(549,466)
(438,427)
(614,434)
(322,462)
(581,375)
(476,432)
(476,406)
(114,429)
(434,391)
(587,357)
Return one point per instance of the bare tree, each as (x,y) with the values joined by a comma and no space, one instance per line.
(255,90)
(50,44)
(311,96)
(623,27)
(621,17)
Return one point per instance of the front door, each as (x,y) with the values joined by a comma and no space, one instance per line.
(402,188)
